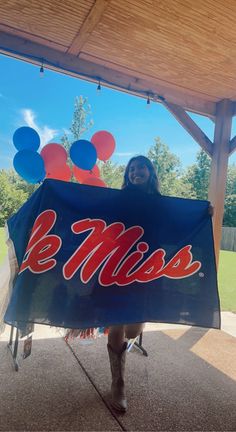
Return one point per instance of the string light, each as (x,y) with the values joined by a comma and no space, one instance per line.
(41,70)
(148,102)
(99,86)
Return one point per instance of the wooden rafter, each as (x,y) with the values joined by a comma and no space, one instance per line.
(191,127)
(88,26)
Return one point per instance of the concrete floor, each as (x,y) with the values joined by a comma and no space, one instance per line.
(187,383)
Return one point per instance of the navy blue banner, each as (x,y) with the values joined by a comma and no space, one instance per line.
(92,257)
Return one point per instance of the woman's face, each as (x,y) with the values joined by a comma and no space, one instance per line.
(138,173)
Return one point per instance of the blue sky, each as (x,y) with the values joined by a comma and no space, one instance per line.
(46,103)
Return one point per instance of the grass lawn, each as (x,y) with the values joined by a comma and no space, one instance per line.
(3,246)
(227,280)
(226,275)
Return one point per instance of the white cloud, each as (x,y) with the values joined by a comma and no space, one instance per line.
(46,133)
(29,118)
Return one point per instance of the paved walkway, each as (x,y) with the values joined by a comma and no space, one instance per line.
(187,383)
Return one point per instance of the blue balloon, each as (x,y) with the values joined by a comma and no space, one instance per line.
(29,165)
(26,138)
(83,154)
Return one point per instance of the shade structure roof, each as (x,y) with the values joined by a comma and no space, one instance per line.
(180,50)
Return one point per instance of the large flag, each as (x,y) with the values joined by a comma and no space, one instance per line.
(93,257)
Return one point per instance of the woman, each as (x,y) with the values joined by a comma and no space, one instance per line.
(141,175)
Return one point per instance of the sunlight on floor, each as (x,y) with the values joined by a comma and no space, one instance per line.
(219,350)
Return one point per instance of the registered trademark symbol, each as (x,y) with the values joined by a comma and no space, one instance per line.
(201,274)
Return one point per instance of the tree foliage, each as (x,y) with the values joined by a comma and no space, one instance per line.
(198,175)
(230,211)
(112,174)
(230,198)
(167,165)
(80,122)
(169,170)
(12,194)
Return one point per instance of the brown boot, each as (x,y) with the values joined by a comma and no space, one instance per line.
(117,362)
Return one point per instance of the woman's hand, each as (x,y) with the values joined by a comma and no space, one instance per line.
(211,210)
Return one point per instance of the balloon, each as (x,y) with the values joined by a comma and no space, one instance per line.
(83,154)
(94,181)
(26,138)
(54,155)
(80,174)
(29,165)
(105,144)
(62,172)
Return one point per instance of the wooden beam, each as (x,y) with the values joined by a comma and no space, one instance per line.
(189,99)
(232,145)
(224,113)
(88,26)
(190,126)
(23,34)
(121,79)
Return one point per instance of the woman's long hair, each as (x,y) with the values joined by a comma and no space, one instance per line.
(153,183)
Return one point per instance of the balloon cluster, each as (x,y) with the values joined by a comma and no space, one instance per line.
(27,162)
(52,160)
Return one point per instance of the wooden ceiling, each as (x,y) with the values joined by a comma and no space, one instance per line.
(182,50)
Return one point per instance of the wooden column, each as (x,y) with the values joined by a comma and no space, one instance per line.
(219,165)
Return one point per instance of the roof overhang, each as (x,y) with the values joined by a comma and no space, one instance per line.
(178,50)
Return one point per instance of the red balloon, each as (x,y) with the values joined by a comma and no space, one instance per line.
(104,142)
(54,155)
(81,174)
(62,172)
(94,181)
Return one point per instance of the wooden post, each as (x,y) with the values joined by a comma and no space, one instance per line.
(219,165)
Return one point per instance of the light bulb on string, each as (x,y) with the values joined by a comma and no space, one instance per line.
(99,88)
(41,71)
(148,102)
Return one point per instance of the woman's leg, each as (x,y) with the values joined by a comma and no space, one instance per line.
(116,337)
(133,330)
(117,355)
(118,333)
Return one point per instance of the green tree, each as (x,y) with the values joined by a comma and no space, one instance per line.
(231,180)
(11,196)
(21,184)
(168,168)
(182,189)
(197,175)
(80,122)
(230,211)
(230,198)
(112,174)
